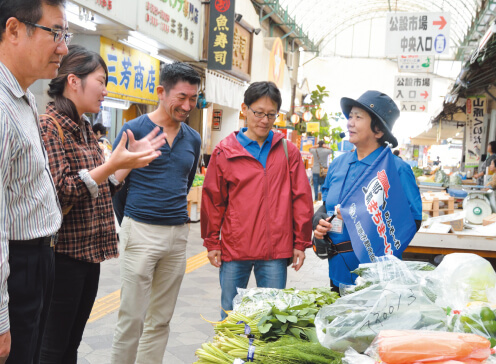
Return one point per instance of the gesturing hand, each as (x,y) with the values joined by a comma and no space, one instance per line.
(151,141)
(144,151)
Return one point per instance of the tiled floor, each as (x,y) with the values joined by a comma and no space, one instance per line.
(199,296)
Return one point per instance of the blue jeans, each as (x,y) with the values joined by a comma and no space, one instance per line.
(268,273)
(317,181)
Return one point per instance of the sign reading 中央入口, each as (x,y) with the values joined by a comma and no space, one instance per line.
(374,212)
(476,110)
(413,88)
(133,75)
(415,63)
(221,35)
(417,33)
(173,23)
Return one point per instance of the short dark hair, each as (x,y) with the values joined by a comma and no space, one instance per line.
(99,128)
(396,152)
(257,90)
(172,73)
(321,143)
(376,125)
(493,146)
(27,10)
(79,62)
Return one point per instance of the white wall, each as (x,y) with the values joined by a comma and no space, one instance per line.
(230,123)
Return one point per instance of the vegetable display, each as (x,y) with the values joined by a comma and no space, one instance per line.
(398,312)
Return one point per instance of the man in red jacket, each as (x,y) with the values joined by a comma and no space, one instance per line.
(256,191)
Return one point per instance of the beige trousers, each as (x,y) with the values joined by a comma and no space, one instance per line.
(153,262)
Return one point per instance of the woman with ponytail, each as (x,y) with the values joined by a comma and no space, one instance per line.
(84,184)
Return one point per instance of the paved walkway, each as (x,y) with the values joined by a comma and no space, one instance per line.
(199,296)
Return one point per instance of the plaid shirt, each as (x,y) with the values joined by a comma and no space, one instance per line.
(88,230)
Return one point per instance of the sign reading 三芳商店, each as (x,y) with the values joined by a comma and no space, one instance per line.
(417,33)
(133,75)
(175,23)
(221,35)
(476,110)
(412,88)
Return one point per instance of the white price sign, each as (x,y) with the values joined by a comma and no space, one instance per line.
(416,63)
(417,33)
(413,88)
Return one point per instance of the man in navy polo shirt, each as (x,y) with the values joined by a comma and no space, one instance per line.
(154,227)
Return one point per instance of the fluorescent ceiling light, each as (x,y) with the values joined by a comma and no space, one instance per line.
(139,47)
(116,103)
(74,19)
(161,58)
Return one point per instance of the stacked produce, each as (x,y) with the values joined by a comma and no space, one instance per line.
(198,180)
(398,312)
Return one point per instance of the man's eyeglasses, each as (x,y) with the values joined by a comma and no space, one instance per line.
(59,35)
(261,115)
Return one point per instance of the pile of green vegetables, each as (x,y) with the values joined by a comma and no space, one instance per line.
(198,180)
(279,333)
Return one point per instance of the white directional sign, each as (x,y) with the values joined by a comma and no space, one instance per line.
(415,63)
(412,88)
(408,106)
(417,33)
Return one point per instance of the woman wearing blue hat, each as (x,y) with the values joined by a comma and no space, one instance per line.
(370,120)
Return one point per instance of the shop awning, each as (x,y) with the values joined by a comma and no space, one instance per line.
(439,132)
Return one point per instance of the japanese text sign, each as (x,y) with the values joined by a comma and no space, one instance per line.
(242,50)
(415,63)
(417,33)
(133,75)
(175,23)
(374,212)
(221,35)
(121,11)
(476,110)
(413,88)
(410,106)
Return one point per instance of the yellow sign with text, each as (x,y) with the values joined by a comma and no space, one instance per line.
(313,127)
(133,75)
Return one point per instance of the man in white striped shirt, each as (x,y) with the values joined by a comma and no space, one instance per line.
(33,41)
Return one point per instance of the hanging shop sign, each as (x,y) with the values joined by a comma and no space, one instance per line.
(476,110)
(416,63)
(417,33)
(277,63)
(121,11)
(241,60)
(133,75)
(313,127)
(217,119)
(409,106)
(413,88)
(221,35)
(175,24)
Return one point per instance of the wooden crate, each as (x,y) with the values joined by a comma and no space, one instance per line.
(435,202)
(491,219)
(194,198)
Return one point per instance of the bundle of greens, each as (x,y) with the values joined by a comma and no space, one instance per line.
(226,347)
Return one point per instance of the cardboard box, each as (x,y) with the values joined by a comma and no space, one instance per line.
(456,225)
(491,219)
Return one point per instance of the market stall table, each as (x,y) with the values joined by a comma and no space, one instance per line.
(436,243)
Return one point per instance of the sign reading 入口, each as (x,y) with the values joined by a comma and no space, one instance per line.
(412,88)
(412,106)
(221,35)
(476,109)
(417,33)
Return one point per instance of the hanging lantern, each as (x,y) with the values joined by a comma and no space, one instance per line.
(307,116)
(295,119)
(319,114)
